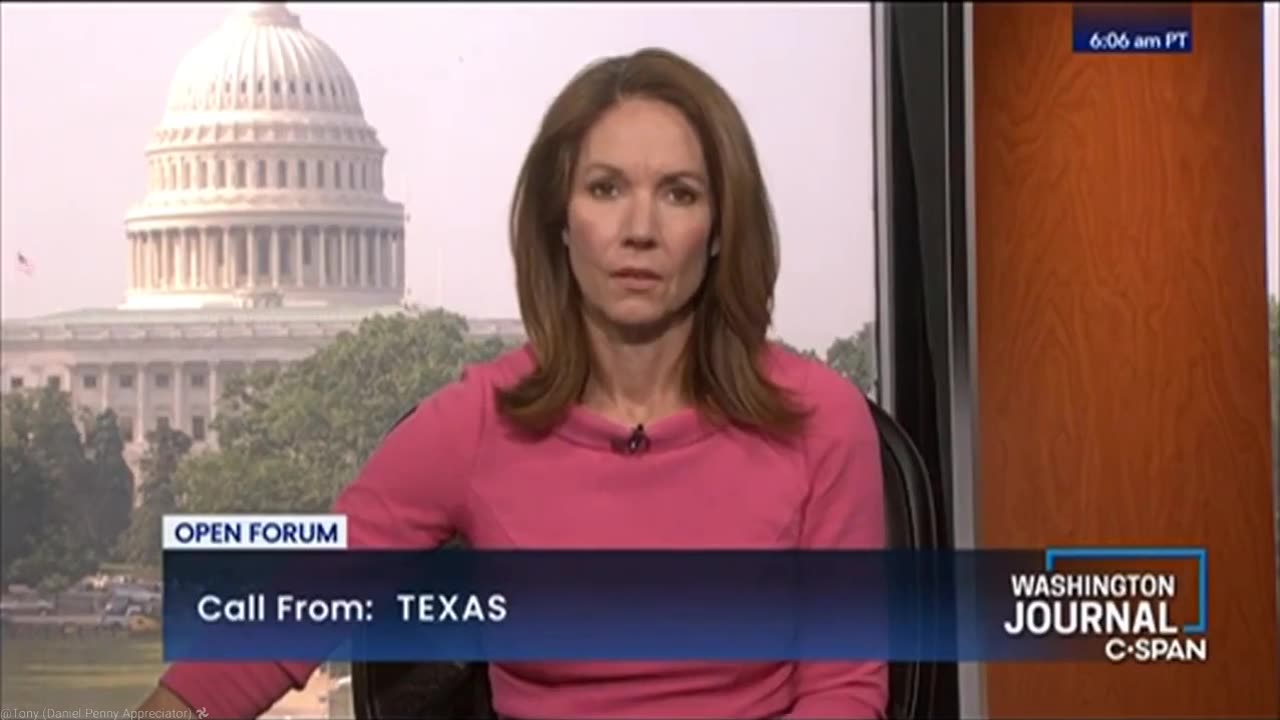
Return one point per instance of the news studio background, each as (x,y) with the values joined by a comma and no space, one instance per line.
(163,409)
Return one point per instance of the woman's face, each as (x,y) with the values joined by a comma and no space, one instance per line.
(640,213)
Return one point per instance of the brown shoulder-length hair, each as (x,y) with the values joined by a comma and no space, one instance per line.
(723,372)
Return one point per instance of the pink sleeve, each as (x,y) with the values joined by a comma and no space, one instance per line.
(845,510)
(410,493)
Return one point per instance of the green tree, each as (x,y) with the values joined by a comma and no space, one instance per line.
(855,357)
(808,353)
(48,538)
(24,493)
(109,485)
(852,356)
(288,440)
(166,448)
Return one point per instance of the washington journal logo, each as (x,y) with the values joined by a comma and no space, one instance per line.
(1131,612)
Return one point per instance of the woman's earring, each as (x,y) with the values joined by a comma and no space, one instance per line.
(715,248)
(564,236)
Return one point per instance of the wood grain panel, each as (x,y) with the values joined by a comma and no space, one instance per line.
(1121,324)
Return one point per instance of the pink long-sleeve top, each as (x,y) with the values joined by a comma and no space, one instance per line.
(453,466)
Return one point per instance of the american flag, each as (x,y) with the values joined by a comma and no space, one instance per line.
(25,265)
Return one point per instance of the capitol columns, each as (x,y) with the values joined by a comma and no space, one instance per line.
(251,256)
(172,266)
(344,256)
(163,262)
(133,260)
(368,238)
(221,247)
(299,271)
(155,239)
(275,240)
(395,259)
(206,255)
(400,259)
(353,256)
(228,258)
(369,253)
(144,259)
(358,258)
(379,237)
(158,260)
(189,258)
(362,255)
(191,247)
(343,260)
(148,260)
(182,264)
(138,275)
(351,239)
(387,248)
(337,255)
(180,259)
(322,256)
(140,258)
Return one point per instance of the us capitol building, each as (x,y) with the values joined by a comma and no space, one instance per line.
(263,234)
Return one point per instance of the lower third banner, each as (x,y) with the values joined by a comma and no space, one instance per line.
(601,605)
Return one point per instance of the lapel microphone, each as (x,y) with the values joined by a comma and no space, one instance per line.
(634,444)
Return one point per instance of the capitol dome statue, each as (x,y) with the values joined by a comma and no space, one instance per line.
(265,183)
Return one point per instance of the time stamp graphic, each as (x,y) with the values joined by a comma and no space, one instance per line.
(1124,28)
(1126,41)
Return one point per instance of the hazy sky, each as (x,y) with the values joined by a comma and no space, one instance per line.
(455,92)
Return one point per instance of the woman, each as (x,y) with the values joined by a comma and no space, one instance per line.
(648,409)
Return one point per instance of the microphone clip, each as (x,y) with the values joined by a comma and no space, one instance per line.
(634,444)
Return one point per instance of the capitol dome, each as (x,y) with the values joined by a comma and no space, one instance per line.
(262,59)
(265,182)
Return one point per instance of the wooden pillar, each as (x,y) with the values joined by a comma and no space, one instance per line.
(1122,378)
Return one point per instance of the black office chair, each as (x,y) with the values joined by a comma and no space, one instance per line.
(912,522)
(430,690)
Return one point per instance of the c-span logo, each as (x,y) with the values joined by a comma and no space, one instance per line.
(1130,612)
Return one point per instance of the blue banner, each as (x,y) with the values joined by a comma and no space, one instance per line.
(579,605)
(1127,28)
